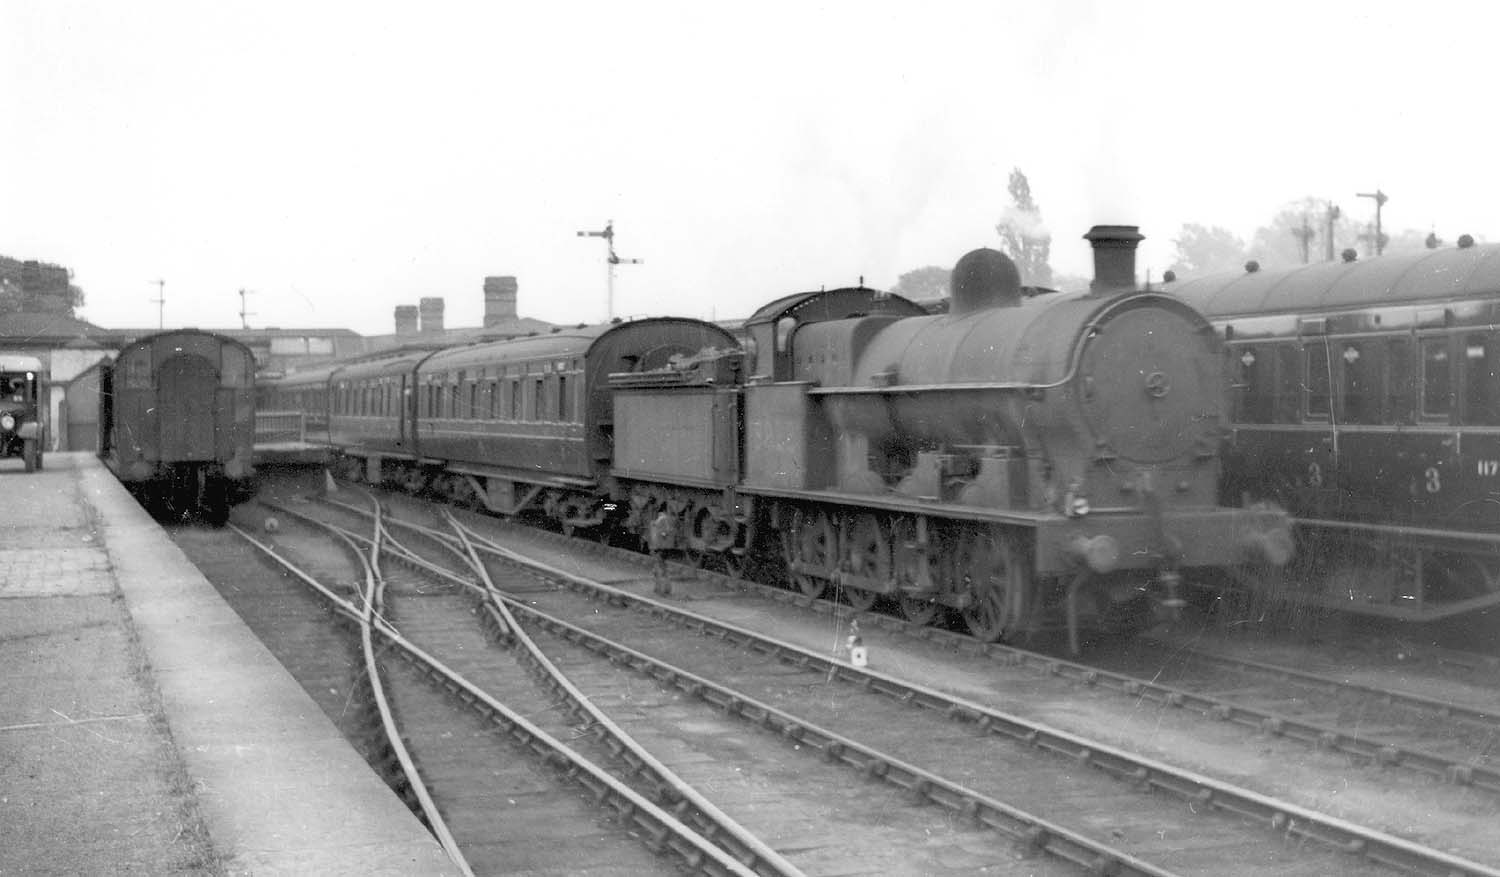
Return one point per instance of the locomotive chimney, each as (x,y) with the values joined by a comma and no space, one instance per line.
(406,320)
(1114,257)
(984,278)
(431,312)
(499,300)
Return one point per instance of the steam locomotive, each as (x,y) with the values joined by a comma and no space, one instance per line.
(1366,400)
(1024,461)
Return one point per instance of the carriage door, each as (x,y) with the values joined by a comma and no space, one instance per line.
(187,393)
(403,415)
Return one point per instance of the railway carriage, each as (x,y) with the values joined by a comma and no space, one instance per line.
(304,391)
(177,422)
(23,408)
(518,426)
(1366,399)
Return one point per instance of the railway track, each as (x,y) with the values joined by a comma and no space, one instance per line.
(1376,723)
(1372,722)
(778,700)
(822,816)
(443,731)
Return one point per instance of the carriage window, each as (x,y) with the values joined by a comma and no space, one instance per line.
(1437,381)
(537,394)
(493,389)
(1316,355)
(1481,383)
(1399,389)
(474,409)
(1254,386)
(1359,382)
(514,388)
(564,409)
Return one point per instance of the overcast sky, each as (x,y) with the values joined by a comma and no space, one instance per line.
(341,158)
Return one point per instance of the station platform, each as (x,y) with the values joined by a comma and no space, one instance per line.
(143,728)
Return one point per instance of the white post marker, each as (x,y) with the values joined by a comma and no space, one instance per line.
(857,654)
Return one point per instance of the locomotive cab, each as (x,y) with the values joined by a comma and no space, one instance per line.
(22,407)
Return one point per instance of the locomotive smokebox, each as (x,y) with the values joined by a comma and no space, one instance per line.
(1114,257)
(985,278)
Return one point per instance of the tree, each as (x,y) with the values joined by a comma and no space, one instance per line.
(37,287)
(1205,249)
(1023,236)
(1277,244)
(923,284)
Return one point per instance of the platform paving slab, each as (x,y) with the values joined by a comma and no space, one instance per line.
(144,729)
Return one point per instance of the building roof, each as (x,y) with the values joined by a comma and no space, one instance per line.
(51,330)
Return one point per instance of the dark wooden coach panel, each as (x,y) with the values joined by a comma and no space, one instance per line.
(184,396)
(541,408)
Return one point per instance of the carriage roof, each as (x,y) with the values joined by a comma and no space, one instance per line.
(1431,276)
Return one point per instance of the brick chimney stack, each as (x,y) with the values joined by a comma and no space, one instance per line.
(431,312)
(499,300)
(406,320)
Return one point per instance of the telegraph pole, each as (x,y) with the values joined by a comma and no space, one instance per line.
(613,259)
(1332,217)
(1304,236)
(1380,198)
(244,323)
(161,303)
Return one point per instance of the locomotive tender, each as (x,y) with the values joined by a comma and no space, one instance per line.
(1017,459)
(1366,400)
(177,422)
